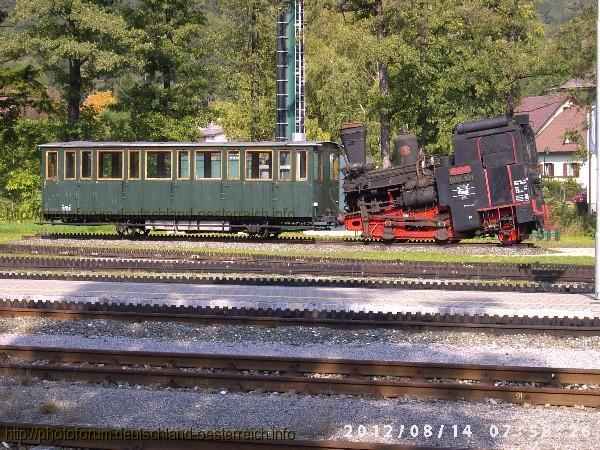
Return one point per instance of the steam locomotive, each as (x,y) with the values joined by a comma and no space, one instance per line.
(491,186)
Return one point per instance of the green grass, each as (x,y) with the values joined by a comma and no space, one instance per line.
(12,231)
(567,242)
(564,242)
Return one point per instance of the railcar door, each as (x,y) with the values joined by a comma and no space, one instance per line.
(69,187)
(284,194)
(302,199)
(182,201)
(133,195)
(86,205)
(319,173)
(51,192)
(258,191)
(108,188)
(231,187)
(158,186)
(208,176)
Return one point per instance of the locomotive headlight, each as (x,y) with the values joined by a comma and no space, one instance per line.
(315,204)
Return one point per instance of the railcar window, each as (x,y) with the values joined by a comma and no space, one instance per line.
(259,165)
(110,165)
(334,166)
(134,164)
(208,165)
(70,166)
(285,165)
(302,165)
(158,165)
(52,165)
(233,165)
(318,166)
(183,164)
(86,165)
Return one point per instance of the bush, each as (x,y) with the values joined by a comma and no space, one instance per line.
(572,220)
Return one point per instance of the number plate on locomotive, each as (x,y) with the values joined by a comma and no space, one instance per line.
(462,178)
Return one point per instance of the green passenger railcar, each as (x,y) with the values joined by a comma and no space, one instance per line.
(262,188)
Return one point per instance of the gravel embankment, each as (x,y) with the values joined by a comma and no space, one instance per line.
(315,342)
(330,249)
(309,417)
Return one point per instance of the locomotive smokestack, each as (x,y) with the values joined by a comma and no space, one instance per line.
(354,139)
(407,150)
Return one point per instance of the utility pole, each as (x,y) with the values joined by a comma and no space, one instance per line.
(597,119)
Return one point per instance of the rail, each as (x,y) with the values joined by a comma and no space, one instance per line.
(381,379)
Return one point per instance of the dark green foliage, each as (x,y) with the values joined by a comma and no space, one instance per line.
(169,90)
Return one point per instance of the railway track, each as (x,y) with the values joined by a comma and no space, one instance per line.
(280,317)
(381,379)
(536,277)
(319,280)
(246,238)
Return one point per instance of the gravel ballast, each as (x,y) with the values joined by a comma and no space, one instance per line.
(310,342)
(330,249)
(309,417)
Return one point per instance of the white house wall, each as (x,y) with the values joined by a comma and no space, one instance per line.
(558,160)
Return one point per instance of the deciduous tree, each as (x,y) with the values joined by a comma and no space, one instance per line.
(75,41)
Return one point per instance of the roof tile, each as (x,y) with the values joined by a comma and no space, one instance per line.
(552,137)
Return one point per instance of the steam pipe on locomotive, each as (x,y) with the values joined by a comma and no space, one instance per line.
(491,185)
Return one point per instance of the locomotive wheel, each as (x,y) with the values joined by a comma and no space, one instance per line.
(509,236)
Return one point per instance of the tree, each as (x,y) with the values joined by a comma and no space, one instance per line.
(244,52)
(378,18)
(446,61)
(573,47)
(339,74)
(166,96)
(75,40)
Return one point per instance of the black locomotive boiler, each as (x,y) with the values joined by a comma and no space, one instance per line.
(491,185)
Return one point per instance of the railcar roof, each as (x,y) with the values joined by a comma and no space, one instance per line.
(89,144)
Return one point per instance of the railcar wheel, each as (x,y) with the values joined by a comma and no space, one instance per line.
(130,231)
(262,233)
(122,230)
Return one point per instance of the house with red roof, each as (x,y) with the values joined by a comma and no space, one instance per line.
(561,127)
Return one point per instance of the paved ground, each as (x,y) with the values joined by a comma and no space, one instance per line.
(313,298)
